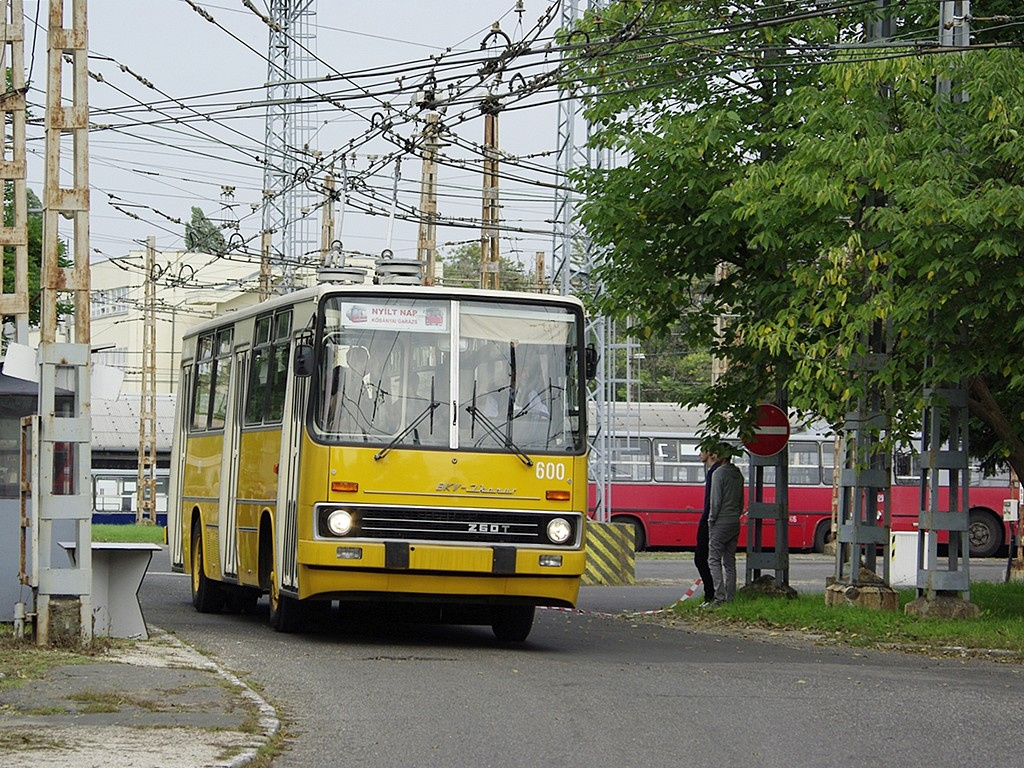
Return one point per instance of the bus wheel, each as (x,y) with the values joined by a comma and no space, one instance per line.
(821,534)
(512,623)
(286,613)
(984,534)
(206,595)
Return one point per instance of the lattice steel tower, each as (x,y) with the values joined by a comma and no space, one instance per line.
(574,260)
(288,204)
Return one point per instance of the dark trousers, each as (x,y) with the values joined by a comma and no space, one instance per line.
(700,559)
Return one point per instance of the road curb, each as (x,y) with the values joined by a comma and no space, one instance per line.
(269,722)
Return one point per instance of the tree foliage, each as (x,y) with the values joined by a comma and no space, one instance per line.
(35,252)
(462,267)
(811,196)
(203,235)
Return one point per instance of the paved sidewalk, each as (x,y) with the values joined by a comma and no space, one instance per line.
(155,704)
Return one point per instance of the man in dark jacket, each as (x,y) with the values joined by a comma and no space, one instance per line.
(700,555)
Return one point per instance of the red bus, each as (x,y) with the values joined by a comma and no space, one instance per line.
(656,483)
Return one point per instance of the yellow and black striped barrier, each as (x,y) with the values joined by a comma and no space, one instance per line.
(611,560)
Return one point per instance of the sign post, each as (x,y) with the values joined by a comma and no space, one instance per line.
(766,447)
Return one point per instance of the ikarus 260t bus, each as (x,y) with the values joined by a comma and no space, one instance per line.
(384,443)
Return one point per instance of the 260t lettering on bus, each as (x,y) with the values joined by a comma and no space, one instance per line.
(487,527)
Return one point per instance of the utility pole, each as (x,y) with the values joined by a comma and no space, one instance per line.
(426,250)
(265,246)
(62,443)
(943,582)
(540,269)
(12,169)
(289,132)
(145,489)
(863,513)
(327,224)
(14,531)
(490,252)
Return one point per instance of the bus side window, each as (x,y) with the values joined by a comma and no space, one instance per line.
(204,379)
(804,464)
(631,459)
(677,461)
(903,469)
(268,376)
(107,497)
(221,379)
(279,375)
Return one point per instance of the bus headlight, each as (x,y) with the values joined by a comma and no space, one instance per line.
(339,522)
(559,531)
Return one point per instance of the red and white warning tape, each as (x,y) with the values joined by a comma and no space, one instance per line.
(686,596)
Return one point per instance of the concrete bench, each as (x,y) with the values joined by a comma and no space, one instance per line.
(117,572)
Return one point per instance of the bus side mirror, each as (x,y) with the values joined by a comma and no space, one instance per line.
(303,364)
(590,359)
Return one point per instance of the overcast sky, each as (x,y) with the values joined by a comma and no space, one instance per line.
(198,69)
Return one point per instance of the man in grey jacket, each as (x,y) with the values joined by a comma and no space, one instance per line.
(724,523)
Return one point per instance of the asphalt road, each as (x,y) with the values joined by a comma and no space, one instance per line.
(588,689)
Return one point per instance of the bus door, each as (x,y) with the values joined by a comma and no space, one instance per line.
(229,472)
(175,533)
(296,391)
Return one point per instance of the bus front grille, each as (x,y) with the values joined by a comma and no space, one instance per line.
(469,526)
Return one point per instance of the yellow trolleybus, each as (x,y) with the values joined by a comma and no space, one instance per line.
(360,443)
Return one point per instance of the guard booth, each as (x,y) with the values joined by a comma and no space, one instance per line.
(18,398)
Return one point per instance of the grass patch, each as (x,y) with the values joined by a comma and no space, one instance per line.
(135,533)
(21,740)
(106,702)
(20,661)
(999,627)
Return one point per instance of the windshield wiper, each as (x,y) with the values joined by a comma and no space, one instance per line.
(431,407)
(492,429)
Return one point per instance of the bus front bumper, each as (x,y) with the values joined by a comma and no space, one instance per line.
(547,577)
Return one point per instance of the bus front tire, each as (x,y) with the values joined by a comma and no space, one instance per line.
(287,614)
(512,623)
(206,595)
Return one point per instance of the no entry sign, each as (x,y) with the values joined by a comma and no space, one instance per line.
(771,431)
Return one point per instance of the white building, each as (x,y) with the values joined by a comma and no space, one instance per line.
(190,288)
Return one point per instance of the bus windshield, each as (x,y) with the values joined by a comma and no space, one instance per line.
(471,374)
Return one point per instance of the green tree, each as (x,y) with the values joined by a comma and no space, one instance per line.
(827,196)
(203,235)
(462,267)
(35,251)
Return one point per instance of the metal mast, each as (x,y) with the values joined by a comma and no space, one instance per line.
(578,277)
(145,490)
(62,441)
(426,250)
(288,203)
(12,174)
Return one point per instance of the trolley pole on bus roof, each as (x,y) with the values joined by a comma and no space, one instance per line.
(61,442)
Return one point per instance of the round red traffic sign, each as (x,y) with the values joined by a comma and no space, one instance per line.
(771,431)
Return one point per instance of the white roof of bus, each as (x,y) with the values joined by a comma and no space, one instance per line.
(438,292)
(672,419)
